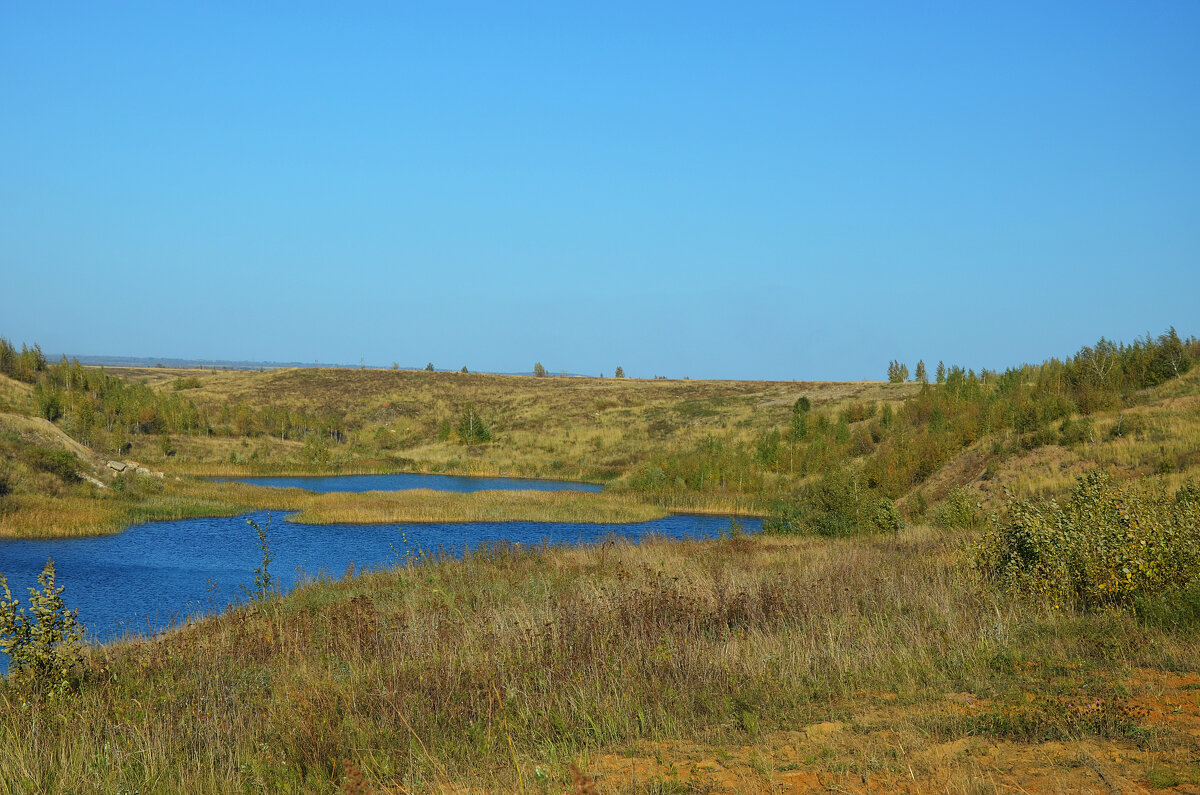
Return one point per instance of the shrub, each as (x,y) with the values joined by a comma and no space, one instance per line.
(472,428)
(1075,431)
(44,650)
(62,463)
(191,382)
(1111,543)
(264,582)
(959,509)
(1128,425)
(839,504)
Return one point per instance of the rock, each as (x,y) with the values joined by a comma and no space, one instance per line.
(116,466)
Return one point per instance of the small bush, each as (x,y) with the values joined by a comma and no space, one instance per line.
(45,649)
(959,509)
(191,382)
(1128,425)
(1111,543)
(1076,431)
(62,463)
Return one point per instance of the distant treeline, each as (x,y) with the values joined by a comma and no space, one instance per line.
(104,411)
(867,453)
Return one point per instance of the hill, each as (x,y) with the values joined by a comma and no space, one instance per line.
(902,625)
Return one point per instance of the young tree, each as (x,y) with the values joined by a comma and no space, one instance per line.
(941,372)
(472,428)
(903,373)
(43,645)
(464,368)
(922,376)
(620,373)
(539,370)
(429,367)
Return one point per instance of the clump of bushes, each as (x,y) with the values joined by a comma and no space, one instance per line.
(62,463)
(959,509)
(1111,543)
(839,504)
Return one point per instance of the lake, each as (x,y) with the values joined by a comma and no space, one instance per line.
(157,574)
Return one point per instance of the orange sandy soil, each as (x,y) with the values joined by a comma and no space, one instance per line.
(885,750)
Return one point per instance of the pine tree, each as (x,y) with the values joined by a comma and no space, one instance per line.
(941,372)
(922,376)
(620,373)
(903,373)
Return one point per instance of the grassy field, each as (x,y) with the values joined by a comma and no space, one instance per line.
(748,664)
(574,428)
(772,663)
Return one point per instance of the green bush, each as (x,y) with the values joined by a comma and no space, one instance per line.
(959,509)
(1076,431)
(44,650)
(62,463)
(1111,543)
(839,504)
(1128,425)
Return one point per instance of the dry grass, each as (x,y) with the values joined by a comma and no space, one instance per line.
(425,505)
(576,428)
(43,516)
(513,664)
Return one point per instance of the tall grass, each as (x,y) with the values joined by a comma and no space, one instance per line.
(479,671)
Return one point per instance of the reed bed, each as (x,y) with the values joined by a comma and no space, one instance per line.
(45,516)
(426,505)
(505,668)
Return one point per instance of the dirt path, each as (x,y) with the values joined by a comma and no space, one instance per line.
(885,749)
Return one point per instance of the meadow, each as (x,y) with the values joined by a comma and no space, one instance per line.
(983,583)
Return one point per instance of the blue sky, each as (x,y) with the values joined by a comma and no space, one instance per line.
(778,190)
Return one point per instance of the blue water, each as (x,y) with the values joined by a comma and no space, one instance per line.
(405,481)
(161,573)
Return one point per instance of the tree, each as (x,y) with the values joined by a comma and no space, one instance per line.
(539,370)
(429,367)
(264,583)
(894,376)
(922,376)
(464,368)
(802,405)
(47,647)
(903,373)
(941,372)
(620,373)
(472,428)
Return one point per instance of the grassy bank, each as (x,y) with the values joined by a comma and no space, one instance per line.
(500,670)
(148,499)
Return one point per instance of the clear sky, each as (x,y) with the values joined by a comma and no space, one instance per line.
(738,190)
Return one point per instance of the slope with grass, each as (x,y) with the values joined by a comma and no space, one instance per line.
(734,665)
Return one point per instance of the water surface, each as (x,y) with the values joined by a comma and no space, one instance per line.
(160,573)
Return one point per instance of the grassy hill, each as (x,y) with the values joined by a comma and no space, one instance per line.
(974,644)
